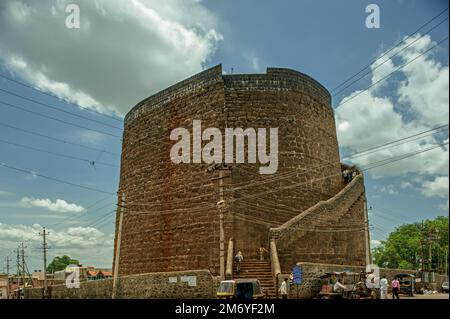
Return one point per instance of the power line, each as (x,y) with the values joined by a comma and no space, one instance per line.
(90,162)
(380,147)
(56,119)
(391,73)
(59,109)
(402,157)
(55,179)
(389,58)
(57,139)
(54,96)
(393,47)
(369,167)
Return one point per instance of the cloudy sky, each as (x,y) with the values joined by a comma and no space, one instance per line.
(125,51)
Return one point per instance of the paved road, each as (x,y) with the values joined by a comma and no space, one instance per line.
(417,296)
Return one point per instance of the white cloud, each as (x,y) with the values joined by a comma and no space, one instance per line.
(437,187)
(374,242)
(59,205)
(88,244)
(419,102)
(389,189)
(90,137)
(253,61)
(406,185)
(123,52)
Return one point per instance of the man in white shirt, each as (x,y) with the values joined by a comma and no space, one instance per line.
(339,287)
(383,287)
(284,289)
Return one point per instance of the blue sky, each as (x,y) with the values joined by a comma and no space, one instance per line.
(118,57)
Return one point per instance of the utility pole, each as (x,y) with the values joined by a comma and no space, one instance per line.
(7,273)
(44,250)
(367,237)
(117,252)
(18,268)
(22,253)
(221,206)
(446,261)
(422,252)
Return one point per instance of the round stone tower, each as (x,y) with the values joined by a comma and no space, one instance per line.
(171,220)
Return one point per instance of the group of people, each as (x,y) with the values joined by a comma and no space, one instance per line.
(348,174)
(383,286)
(395,284)
(338,286)
(239,257)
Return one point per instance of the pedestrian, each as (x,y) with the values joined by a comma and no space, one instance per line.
(238,259)
(395,288)
(346,175)
(339,287)
(284,289)
(262,253)
(383,287)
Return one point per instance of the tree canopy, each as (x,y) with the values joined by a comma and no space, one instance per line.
(408,244)
(60,263)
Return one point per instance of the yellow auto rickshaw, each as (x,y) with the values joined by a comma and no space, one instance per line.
(240,289)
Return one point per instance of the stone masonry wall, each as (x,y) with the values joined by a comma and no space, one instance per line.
(319,236)
(307,151)
(151,286)
(167,226)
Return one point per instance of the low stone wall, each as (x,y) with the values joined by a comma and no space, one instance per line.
(196,284)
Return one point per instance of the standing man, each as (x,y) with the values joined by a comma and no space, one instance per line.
(383,287)
(395,288)
(238,259)
(262,253)
(284,289)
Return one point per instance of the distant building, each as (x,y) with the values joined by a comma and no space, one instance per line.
(3,286)
(85,274)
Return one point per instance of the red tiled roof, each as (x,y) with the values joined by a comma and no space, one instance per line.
(92,273)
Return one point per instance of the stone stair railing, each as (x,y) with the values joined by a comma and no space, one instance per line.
(275,264)
(229,267)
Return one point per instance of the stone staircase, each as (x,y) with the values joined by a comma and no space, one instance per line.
(261,270)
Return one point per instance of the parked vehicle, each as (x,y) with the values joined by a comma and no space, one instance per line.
(444,287)
(407,284)
(240,289)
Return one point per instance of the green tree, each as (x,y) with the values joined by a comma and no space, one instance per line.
(403,249)
(60,263)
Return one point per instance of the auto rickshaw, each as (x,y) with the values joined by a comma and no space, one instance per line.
(240,289)
(407,283)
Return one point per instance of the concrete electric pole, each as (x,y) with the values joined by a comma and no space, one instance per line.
(22,256)
(18,267)
(44,250)
(7,274)
(117,252)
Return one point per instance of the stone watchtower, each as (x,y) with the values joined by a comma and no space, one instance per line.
(170,219)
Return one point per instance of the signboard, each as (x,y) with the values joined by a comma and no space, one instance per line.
(297,274)
(173,280)
(191,280)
